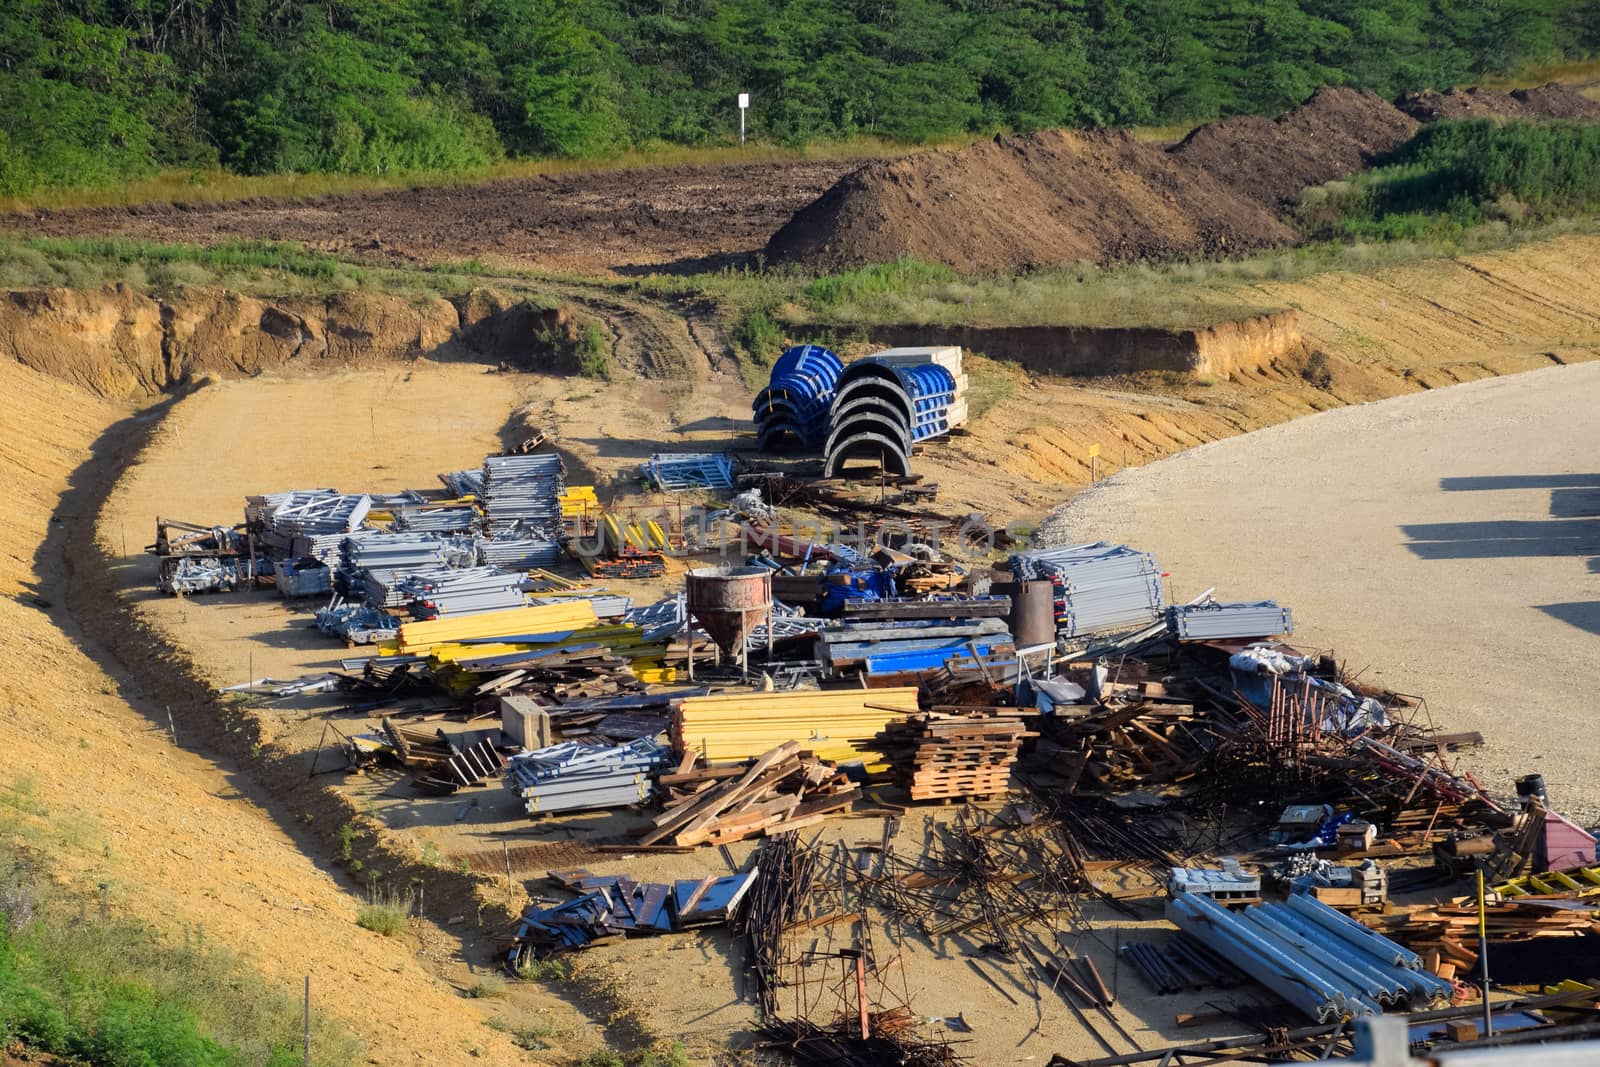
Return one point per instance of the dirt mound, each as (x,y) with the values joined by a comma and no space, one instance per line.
(1022,202)
(1552,101)
(1556,101)
(1336,133)
(1063,196)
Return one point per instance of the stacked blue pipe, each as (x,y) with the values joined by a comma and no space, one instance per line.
(879,411)
(793,408)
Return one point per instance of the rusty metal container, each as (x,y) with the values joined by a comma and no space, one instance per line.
(729,602)
(1033,614)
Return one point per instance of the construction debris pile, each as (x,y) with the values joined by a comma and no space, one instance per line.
(612,906)
(778,791)
(1114,752)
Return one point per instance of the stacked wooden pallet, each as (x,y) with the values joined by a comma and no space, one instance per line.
(632,565)
(780,790)
(937,756)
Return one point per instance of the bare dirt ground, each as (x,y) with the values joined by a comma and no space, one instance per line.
(1446,544)
(1398,331)
(678,218)
(1028,447)
(179,841)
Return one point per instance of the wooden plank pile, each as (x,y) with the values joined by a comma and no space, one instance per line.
(438,765)
(938,756)
(1446,935)
(782,789)
(739,726)
(1128,747)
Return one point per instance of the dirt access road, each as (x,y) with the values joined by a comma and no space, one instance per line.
(1448,542)
(664,218)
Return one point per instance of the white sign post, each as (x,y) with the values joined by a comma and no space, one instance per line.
(744,105)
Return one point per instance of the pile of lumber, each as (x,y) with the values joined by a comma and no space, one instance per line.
(1122,747)
(512,625)
(780,790)
(1446,935)
(939,756)
(739,726)
(438,764)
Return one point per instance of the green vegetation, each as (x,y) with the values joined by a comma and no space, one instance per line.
(100,92)
(757,337)
(594,352)
(542,970)
(1457,175)
(675,1055)
(488,987)
(386,912)
(531,1035)
(108,991)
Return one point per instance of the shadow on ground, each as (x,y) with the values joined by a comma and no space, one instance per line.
(1573,529)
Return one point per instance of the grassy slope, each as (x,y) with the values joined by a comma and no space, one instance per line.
(76,980)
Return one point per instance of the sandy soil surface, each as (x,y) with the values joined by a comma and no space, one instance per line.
(177,840)
(1028,448)
(1445,544)
(689,217)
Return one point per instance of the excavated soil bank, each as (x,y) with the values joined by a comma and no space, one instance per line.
(1017,203)
(683,217)
(1216,350)
(117,343)
(1059,196)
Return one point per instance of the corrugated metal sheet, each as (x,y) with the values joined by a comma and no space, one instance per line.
(1099,587)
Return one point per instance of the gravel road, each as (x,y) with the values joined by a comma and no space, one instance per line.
(1445,544)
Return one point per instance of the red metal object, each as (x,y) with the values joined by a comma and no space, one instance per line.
(728,602)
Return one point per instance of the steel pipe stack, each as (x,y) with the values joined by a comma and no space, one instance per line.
(370,561)
(434,520)
(793,408)
(1322,962)
(1212,621)
(520,553)
(1098,587)
(522,495)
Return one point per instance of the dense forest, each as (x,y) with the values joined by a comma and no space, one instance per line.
(95,91)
